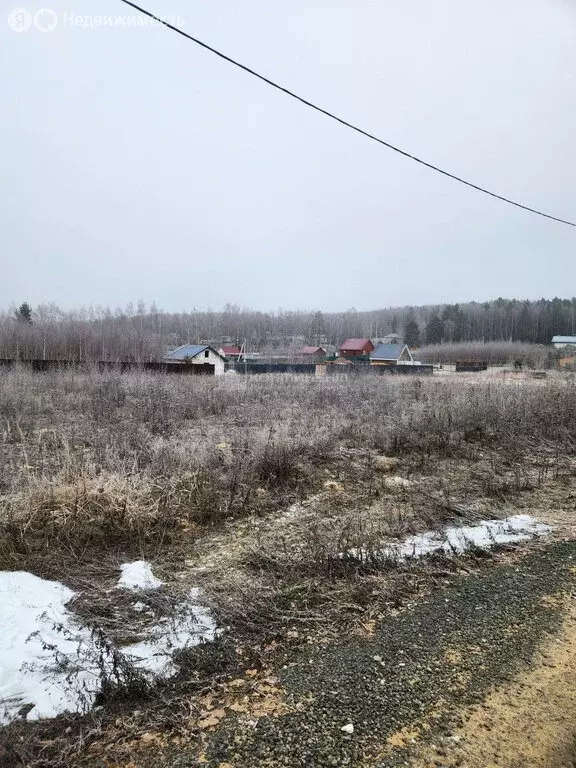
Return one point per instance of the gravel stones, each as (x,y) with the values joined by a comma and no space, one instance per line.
(444,652)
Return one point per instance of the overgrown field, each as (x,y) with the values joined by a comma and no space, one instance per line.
(273,494)
(89,459)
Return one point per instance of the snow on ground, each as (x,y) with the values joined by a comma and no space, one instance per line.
(138,575)
(48,661)
(31,642)
(484,535)
(188,628)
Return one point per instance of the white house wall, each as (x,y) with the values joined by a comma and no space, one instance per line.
(218,364)
(212,359)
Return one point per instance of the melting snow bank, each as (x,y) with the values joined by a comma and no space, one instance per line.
(138,575)
(51,663)
(453,540)
(33,647)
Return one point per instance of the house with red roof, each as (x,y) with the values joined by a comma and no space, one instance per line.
(311,354)
(230,352)
(356,348)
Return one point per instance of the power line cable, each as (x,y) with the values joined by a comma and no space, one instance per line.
(341,120)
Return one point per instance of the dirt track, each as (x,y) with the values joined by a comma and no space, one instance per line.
(529,722)
(407,691)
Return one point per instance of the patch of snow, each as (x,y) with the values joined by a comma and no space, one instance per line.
(138,575)
(484,535)
(456,540)
(193,625)
(48,661)
(32,641)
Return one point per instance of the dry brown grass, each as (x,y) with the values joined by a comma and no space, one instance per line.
(90,459)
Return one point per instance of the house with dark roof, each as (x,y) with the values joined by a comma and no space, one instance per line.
(391,354)
(197,354)
(356,348)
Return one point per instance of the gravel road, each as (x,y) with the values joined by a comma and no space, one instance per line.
(409,684)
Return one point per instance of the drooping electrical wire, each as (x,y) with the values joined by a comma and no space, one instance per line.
(341,120)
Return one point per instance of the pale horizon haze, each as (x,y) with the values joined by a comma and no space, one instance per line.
(138,166)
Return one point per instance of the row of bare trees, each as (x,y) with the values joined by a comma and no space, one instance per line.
(139,332)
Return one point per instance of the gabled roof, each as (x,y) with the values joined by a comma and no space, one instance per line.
(311,350)
(563,339)
(355,345)
(388,352)
(231,350)
(189,351)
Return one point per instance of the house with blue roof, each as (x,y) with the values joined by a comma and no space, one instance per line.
(391,354)
(563,341)
(197,354)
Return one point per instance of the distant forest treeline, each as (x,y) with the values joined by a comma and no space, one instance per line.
(140,332)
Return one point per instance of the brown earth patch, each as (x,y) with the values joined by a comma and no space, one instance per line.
(528,723)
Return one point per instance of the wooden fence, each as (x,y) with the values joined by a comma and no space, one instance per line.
(123,366)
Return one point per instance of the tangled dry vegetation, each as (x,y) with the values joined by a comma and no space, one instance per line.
(251,488)
(91,460)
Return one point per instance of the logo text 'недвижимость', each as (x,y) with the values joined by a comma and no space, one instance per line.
(47,19)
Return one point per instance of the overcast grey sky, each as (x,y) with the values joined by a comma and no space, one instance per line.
(136,165)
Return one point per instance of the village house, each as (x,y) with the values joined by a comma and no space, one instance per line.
(231,353)
(197,354)
(391,354)
(356,348)
(563,341)
(311,354)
